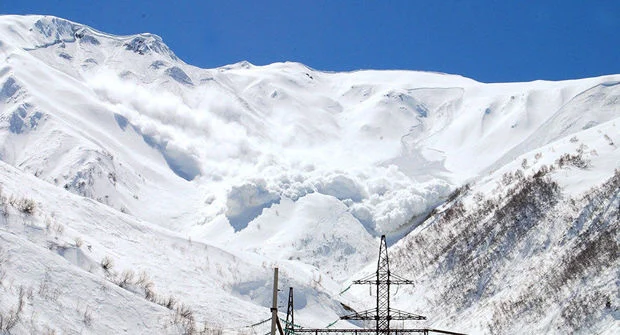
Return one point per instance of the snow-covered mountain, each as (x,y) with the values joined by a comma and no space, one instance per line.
(141,194)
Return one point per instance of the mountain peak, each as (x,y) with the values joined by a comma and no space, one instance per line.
(147,43)
(35,31)
(57,28)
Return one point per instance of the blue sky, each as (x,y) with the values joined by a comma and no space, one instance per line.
(490,41)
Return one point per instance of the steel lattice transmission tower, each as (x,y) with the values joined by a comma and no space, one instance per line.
(289,325)
(383,279)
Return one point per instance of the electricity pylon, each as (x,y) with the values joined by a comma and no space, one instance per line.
(289,326)
(382,279)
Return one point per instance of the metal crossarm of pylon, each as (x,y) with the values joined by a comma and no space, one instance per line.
(398,280)
(394,280)
(365,315)
(396,314)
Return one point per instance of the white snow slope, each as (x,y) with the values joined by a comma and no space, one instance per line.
(130,178)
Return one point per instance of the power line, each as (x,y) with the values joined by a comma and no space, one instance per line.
(382,314)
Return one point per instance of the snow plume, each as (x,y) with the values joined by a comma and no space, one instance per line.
(198,134)
(195,133)
(395,200)
(382,198)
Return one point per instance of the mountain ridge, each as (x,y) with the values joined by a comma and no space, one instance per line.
(232,171)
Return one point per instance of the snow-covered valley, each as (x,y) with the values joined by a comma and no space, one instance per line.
(141,194)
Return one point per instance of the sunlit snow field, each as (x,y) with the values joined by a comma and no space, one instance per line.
(203,180)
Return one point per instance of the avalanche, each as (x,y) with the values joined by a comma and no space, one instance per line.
(141,194)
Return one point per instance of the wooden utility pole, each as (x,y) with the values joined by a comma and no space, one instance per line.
(275,322)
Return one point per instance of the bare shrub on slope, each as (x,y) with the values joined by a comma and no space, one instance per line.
(481,256)
(9,319)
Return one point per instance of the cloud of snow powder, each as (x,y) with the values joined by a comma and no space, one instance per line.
(196,131)
(211,128)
